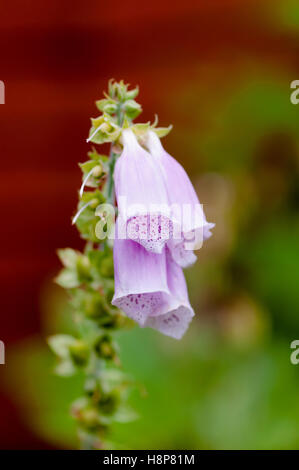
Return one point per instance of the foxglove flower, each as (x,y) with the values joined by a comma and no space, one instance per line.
(186,209)
(141,196)
(150,288)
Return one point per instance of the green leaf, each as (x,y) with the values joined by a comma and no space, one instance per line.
(60,344)
(65,368)
(67,278)
(107,105)
(125,414)
(94,155)
(132,109)
(88,165)
(68,257)
(162,131)
(104,129)
(90,195)
(141,128)
(131,94)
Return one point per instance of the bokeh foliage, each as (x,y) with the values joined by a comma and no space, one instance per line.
(229,383)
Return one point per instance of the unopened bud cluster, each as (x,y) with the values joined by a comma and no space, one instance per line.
(88,278)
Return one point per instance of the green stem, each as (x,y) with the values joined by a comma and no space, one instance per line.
(110,191)
(113,157)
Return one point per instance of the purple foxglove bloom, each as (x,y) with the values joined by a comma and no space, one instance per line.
(186,209)
(150,288)
(141,196)
(176,321)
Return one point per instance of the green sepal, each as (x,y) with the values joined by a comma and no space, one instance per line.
(87,220)
(131,94)
(94,155)
(105,348)
(60,345)
(79,353)
(68,257)
(67,278)
(141,128)
(90,195)
(108,106)
(125,414)
(132,109)
(108,131)
(87,166)
(83,269)
(162,131)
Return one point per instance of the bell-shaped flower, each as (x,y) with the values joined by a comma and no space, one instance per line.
(185,208)
(176,321)
(150,288)
(141,196)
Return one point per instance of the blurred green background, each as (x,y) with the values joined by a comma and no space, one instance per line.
(229,384)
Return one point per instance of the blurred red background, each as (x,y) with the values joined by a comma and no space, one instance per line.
(56,58)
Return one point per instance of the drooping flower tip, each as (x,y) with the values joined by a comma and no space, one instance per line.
(150,288)
(162,223)
(157,203)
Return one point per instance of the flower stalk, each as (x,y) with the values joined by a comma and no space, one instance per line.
(88,278)
(143,276)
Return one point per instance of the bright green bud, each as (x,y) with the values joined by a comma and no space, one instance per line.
(103,130)
(90,418)
(132,109)
(97,171)
(131,94)
(90,386)
(162,131)
(83,268)
(121,90)
(68,257)
(79,352)
(108,106)
(108,403)
(94,203)
(104,348)
(96,307)
(107,267)
(94,198)
(111,87)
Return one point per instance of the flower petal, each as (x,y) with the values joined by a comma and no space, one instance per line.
(186,209)
(141,196)
(150,288)
(175,322)
(141,286)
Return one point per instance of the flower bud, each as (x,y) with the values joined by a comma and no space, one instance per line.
(104,348)
(79,352)
(96,307)
(83,268)
(107,267)
(110,108)
(109,402)
(97,171)
(132,109)
(94,203)
(90,418)
(131,94)
(103,130)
